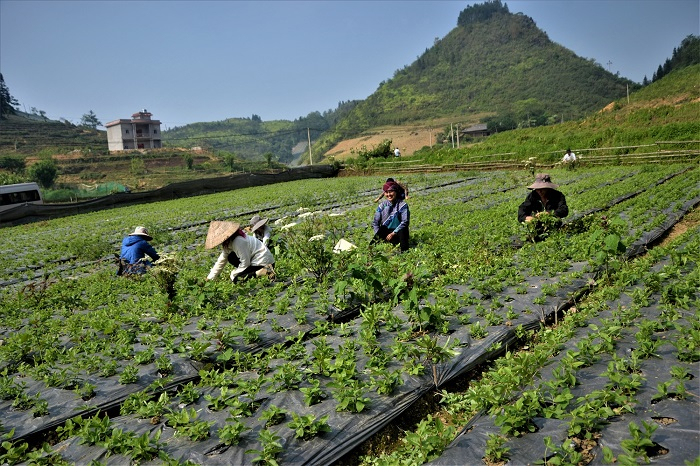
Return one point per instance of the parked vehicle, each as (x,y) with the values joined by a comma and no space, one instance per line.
(13,195)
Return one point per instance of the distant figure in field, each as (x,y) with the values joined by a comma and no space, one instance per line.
(135,247)
(245,252)
(260,229)
(392,218)
(397,152)
(569,159)
(543,198)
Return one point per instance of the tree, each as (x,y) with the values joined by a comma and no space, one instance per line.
(7,102)
(90,120)
(44,172)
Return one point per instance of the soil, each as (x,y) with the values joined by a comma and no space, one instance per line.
(690,221)
(408,139)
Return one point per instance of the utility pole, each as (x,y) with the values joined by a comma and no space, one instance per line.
(452,136)
(308,135)
(609,63)
(457,135)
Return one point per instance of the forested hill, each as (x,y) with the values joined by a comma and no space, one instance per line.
(493,62)
(254,139)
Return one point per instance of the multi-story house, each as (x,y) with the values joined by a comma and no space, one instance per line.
(140,132)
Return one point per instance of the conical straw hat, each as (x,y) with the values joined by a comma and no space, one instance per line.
(219,232)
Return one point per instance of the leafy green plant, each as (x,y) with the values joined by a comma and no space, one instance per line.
(230,434)
(307,427)
(313,394)
(185,423)
(270,448)
(130,374)
(350,396)
(273,416)
(495,451)
(638,446)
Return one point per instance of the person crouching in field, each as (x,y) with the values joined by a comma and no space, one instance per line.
(260,229)
(392,218)
(544,198)
(135,248)
(245,252)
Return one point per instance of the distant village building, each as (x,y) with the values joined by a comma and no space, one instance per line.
(140,132)
(479,130)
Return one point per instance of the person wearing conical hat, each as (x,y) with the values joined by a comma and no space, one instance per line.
(135,248)
(245,252)
(543,197)
(259,227)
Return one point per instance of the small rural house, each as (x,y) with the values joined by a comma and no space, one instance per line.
(140,132)
(475,131)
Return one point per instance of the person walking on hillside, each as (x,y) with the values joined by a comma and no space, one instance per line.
(245,252)
(397,152)
(392,218)
(544,197)
(403,194)
(260,229)
(135,247)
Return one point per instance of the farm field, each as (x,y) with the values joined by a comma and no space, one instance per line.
(579,349)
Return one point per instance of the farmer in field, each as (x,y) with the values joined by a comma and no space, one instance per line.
(543,198)
(135,248)
(245,252)
(260,229)
(569,159)
(392,218)
(403,194)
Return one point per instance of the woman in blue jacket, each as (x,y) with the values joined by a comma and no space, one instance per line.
(392,218)
(135,248)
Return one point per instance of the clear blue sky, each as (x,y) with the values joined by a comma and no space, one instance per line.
(190,61)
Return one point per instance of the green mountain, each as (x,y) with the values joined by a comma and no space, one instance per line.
(494,62)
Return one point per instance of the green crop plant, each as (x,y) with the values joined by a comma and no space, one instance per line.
(638,446)
(313,394)
(477,331)
(273,415)
(230,434)
(130,374)
(428,440)
(433,353)
(287,377)
(516,418)
(306,427)
(386,382)
(185,423)
(350,396)
(188,393)
(496,451)
(270,447)
(563,455)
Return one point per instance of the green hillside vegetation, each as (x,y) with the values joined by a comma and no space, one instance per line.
(255,139)
(495,62)
(664,111)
